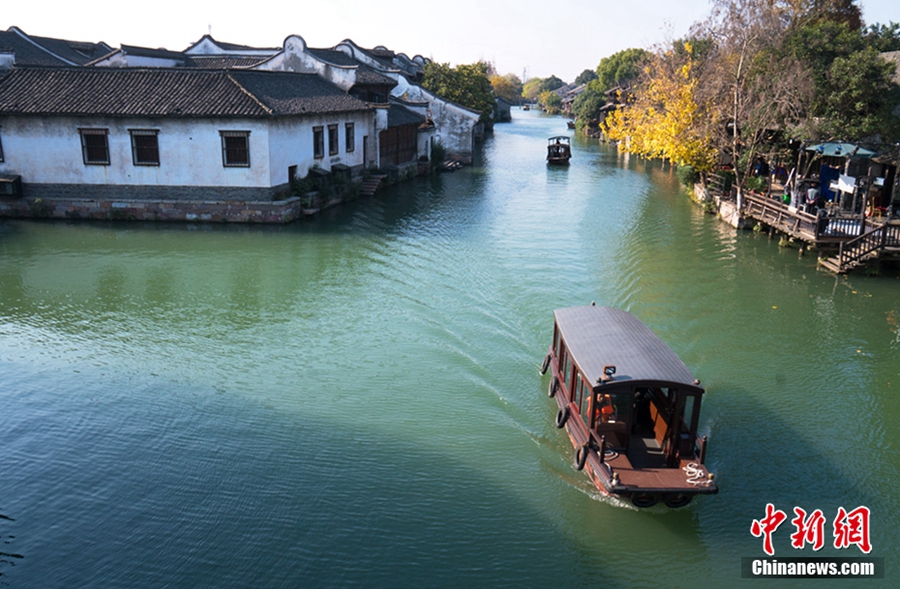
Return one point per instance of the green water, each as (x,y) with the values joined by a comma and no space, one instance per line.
(354,400)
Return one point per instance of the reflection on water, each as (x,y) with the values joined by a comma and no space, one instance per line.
(354,399)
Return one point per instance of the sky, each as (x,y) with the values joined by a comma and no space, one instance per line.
(529,38)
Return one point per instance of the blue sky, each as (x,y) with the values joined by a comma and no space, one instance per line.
(541,37)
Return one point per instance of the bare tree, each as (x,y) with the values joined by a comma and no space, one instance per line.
(757,90)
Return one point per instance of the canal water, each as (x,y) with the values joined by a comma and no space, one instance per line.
(353,400)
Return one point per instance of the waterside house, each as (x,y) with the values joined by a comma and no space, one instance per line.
(115,134)
(215,123)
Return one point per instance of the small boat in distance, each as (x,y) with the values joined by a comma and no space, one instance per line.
(571,124)
(630,406)
(558,150)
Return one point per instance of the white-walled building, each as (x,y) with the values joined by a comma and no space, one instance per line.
(454,124)
(152,133)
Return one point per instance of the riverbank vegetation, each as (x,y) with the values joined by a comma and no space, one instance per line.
(465,84)
(755,75)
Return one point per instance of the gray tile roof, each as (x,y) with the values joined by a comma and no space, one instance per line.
(47,51)
(364,74)
(399,115)
(75,51)
(27,53)
(160,53)
(169,92)
(221,62)
(334,57)
(230,46)
(368,76)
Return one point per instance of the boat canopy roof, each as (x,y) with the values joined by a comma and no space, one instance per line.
(600,336)
(559,138)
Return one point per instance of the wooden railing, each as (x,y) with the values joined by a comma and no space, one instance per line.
(869,244)
(775,213)
(833,226)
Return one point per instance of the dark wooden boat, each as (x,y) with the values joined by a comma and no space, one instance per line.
(559,150)
(630,406)
(571,124)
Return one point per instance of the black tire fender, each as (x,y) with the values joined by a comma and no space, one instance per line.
(581,455)
(643,500)
(676,500)
(562,416)
(545,365)
(554,385)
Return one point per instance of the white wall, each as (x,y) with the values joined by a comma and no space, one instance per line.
(48,151)
(291,144)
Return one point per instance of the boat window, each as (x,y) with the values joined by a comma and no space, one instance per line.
(579,392)
(568,372)
(585,398)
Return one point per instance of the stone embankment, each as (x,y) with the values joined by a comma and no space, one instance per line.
(282,211)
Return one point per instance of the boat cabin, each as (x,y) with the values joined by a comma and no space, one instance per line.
(630,406)
(559,150)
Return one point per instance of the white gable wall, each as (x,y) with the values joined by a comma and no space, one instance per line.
(295,58)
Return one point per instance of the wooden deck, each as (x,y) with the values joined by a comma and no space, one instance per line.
(856,239)
(654,480)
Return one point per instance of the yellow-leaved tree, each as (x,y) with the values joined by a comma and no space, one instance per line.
(662,118)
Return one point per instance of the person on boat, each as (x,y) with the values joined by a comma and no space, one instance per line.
(607,410)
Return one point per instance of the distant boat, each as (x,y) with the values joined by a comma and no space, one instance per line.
(571,124)
(558,150)
(526,107)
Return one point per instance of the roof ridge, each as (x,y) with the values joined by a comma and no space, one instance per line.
(25,36)
(252,96)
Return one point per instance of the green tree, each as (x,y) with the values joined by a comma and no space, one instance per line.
(852,85)
(585,77)
(586,106)
(466,84)
(550,100)
(861,99)
(883,37)
(508,87)
(531,89)
(535,86)
(621,68)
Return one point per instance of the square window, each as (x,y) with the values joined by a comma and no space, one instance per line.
(235,148)
(145,147)
(349,137)
(95,146)
(318,142)
(332,139)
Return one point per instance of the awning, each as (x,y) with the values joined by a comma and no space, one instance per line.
(840,150)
